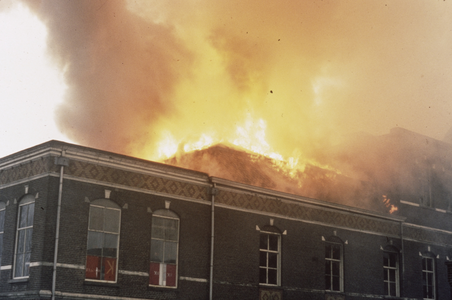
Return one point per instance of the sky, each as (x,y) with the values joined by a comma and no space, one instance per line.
(136,77)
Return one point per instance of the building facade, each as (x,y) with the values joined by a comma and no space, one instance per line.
(80,223)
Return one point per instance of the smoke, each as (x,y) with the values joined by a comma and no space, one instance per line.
(119,68)
(313,70)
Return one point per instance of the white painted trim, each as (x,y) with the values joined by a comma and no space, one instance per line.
(409,203)
(60,265)
(193,279)
(8,267)
(427,228)
(71,266)
(441,210)
(133,273)
(91,296)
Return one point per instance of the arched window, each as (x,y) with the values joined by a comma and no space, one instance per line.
(334,278)
(103,240)
(428,276)
(270,256)
(391,271)
(2,227)
(23,236)
(164,248)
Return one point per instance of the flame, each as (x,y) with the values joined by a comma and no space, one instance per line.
(387,203)
(250,136)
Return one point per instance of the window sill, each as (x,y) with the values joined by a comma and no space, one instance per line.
(18,280)
(162,288)
(101,283)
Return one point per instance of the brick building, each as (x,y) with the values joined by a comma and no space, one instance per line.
(80,223)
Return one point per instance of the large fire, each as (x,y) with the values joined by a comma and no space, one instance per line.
(283,82)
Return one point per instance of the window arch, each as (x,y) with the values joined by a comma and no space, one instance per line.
(270,256)
(164,249)
(24,235)
(334,264)
(391,271)
(103,240)
(428,275)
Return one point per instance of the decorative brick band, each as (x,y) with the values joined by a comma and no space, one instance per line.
(299,211)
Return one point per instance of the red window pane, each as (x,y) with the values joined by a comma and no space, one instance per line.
(170,275)
(92,267)
(154,273)
(109,268)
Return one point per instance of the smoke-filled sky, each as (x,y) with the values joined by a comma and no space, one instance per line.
(130,76)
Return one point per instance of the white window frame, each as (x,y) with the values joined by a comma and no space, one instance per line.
(104,204)
(387,269)
(167,214)
(278,261)
(25,201)
(331,260)
(433,274)
(2,210)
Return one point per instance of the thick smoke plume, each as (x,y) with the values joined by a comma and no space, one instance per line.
(120,70)
(139,72)
(313,70)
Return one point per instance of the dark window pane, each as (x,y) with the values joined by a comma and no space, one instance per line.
(262,275)
(19,265)
(429,279)
(429,264)
(385,259)
(328,267)
(336,268)
(27,264)
(2,220)
(21,241)
(110,245)
(327,282)
(273,242)
(28,235)
(392,260)
(95,241)
(23,216)
(272,260)
(156,251)
(171,229)
(170,252)
(111,222)
(392,275)
(336,252)
(386,288)
(392,287)
(96,218)
(336,284)
(272,276)
(385,274)
(263,259)
(30,214)
(158,228)
(328,251)
(263,243)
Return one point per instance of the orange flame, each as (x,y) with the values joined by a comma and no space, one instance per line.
(387,202)
(251,136)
